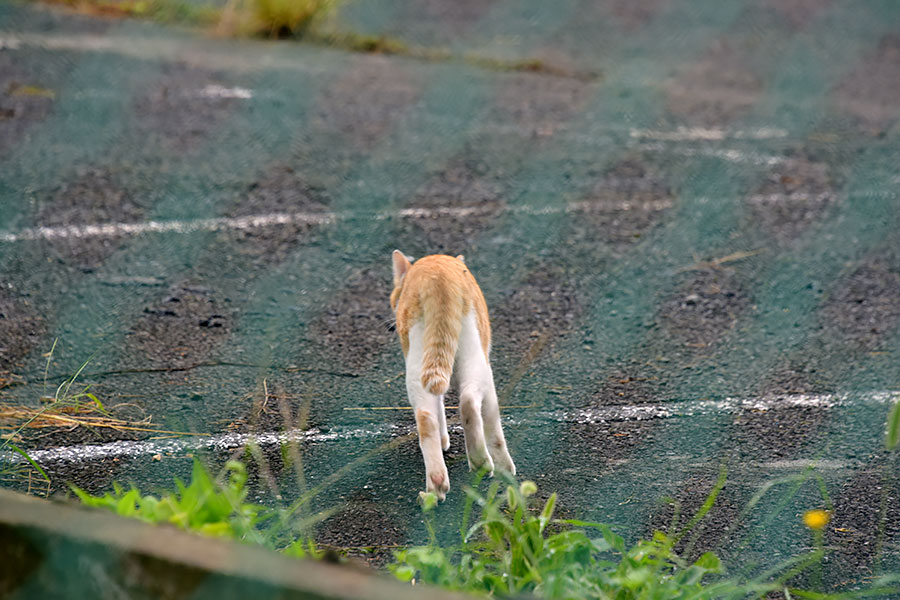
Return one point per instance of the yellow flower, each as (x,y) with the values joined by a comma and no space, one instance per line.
(816,519)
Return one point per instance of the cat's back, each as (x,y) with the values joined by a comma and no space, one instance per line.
(438,269)
(440,287)
(442,275)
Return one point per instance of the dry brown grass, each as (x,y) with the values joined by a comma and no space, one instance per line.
(66,415)
(165,11)
(8,379)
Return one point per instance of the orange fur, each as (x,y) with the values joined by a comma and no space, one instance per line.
(438,290)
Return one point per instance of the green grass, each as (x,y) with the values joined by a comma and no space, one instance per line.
(511,546)
(518,550)
(509,552)
(72,405)
(514,548)
(306,20)
(892,435)
(63,399)
(215,507)
(273,18)
(284,18)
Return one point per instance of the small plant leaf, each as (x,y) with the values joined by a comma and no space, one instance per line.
(710,562)
(707,505)
(30,460)
(219,529)
(95,400)
(893,426)
(547,513)
(404,573)
(617,542)
(427,500)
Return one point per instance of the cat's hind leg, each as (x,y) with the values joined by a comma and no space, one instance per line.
(485,444)
(428,408)
(470,400)
(493,431)
(437,479)
(442,421)
(474,376)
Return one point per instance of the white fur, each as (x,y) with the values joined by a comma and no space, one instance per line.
(430,419)
(485,444)
(478,408)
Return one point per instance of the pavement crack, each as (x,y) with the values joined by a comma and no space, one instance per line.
(215,364)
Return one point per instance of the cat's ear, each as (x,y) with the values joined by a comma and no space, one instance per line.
(461,258)
(401,266)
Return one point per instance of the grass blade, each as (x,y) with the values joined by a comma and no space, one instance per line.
(47,366)
(893,426)
(707,505)
(30,460)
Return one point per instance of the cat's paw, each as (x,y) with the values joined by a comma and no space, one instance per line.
(502,460)
(505,463)
(507,466)
(438,483)
(445,441)
(479,463)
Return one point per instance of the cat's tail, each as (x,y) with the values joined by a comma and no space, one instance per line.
(443,323)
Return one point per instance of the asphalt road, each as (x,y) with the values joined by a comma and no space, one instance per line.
(684,224)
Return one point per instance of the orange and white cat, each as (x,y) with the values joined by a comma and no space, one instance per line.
(442,321)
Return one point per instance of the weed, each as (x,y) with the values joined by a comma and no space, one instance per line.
(283,18)
(296,19)
(273,18)
(891,442)
(513,549)
(163,11)
(510,552)
(30,460)
(892,436)
(203,506)
(35,479)
(210,506)
(72,405)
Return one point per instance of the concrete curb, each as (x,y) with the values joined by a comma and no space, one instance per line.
(56,550)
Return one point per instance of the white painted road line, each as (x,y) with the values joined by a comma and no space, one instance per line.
(705,134)
(593,415)
(111,230)
(703,407)
(225,441)
(598,206)
(218,91)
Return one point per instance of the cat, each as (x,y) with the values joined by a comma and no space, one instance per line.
(442,322)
